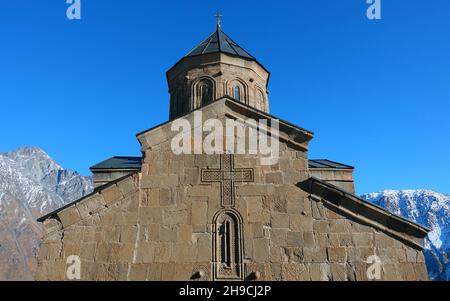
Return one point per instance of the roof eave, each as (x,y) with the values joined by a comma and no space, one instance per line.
(382,219)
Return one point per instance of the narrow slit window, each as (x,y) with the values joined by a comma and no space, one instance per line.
(237,92)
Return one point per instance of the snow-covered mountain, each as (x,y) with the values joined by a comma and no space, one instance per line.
(427,208)
(31,185)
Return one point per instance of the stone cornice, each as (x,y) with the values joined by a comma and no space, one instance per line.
(352,206)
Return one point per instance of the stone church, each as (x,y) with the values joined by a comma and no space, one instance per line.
(226,216)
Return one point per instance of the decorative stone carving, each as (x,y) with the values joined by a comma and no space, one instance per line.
(227,231)
(227,175)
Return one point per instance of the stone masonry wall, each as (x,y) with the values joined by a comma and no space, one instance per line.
(157,225)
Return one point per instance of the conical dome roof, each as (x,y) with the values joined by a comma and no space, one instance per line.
(220,42)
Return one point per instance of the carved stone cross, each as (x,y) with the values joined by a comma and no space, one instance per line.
(227,175)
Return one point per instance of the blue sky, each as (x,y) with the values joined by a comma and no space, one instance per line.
(375,93)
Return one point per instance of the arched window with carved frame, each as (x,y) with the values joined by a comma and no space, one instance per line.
(204,93)
(260,101)
(228,246)
(238,90)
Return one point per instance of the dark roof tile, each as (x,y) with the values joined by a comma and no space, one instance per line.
(220,42)
(328,164)
(125,163)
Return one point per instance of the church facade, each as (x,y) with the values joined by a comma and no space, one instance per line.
(167,216)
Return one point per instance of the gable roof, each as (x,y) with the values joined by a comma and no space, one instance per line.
(231,108)
(357,208)
(328,164)
(119,163)
(135,163)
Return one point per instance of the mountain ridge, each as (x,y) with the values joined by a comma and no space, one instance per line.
(31,185)
(430,209)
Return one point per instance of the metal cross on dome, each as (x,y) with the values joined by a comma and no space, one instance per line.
(218,16)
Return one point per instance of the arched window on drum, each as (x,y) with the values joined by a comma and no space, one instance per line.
(205,93)
(237,92)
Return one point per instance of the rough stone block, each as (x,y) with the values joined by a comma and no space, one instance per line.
(336,254)
(199,213)
(184,252)
(111,195)
(255,209)
(204,248)
(308,240)
(154,272)
(275,254)
(138,272)
(406,271)
(163,252)
(279,220)
(159,181)
(88,251)
(255,190)
(338,226)
(69,216)
(121,253)
(146,252)
(168,272)
(295,239)
(184,233)
(183,272)
(420,271)
(383,241)
(278,237)
(148,215)
(276,271)
(338,272)
(317,255)
(52,225)
(295,272)
(127,186)
(321,226)
(274,178)
(191,176)
(363,239)
(150,198)
(301,223)
(128,234)
(389,272)
(165,197)
(261,249)
(175,217)
(411,255)
(315,272)
(293,254)
(50,251)
(257,230)
(345,240)
(318,211)
(168,233)
(73,234)
(204,191)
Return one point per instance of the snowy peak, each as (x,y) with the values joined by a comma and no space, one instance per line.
(430,209)
(29,171)
(31,185)
(33,162)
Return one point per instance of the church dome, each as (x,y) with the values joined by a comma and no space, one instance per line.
(220,42)
(218,67)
